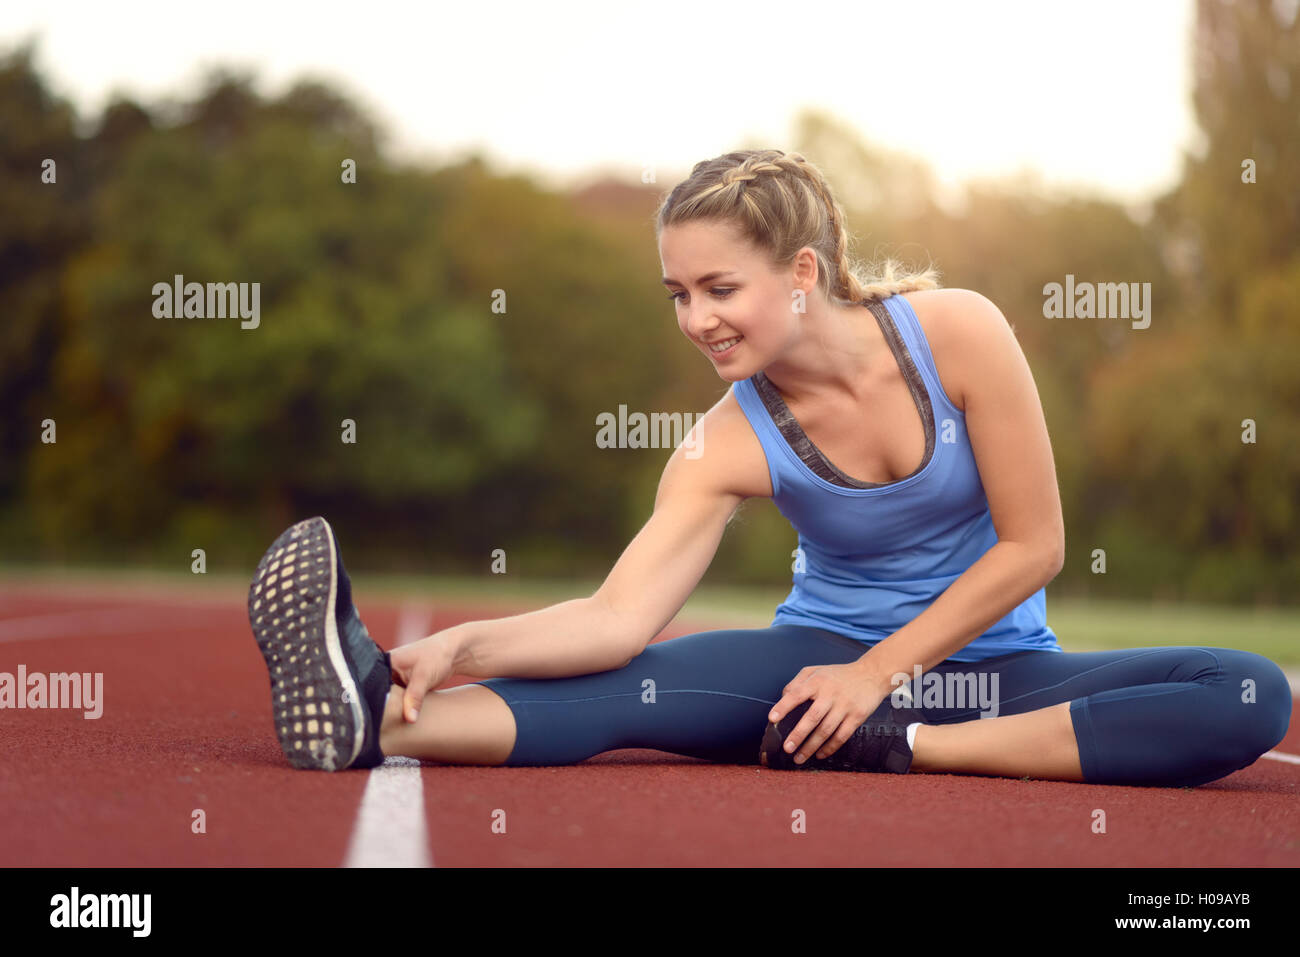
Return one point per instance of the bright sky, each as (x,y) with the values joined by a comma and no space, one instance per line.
(1093,95)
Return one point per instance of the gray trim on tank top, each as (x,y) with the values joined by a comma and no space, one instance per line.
(804,447)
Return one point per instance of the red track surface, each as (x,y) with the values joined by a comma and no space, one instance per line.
(187,725)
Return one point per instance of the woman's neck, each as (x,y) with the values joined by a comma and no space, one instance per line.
(832,358)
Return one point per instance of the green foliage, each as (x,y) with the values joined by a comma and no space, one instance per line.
(475,428)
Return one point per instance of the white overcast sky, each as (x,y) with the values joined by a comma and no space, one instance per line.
(1095,95)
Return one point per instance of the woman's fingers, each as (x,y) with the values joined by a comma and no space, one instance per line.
(792,695)
(824,729)
(424,665)
(840,735)
(416,688)
(807,724)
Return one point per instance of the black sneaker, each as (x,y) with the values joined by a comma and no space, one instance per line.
(879,743)
(329,680)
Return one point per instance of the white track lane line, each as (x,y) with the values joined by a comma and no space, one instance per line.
(85,623)
(1282,756)
(390,829)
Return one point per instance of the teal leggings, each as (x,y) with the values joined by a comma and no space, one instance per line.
(1176,716)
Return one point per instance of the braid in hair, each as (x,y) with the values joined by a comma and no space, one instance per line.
(782,203)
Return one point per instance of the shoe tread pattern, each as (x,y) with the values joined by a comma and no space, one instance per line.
(289,609)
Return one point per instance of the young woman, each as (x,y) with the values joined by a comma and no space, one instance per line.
(897,426)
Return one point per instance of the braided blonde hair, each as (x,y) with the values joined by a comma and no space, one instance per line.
(781,203)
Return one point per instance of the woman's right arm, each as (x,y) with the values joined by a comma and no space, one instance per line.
(643,592)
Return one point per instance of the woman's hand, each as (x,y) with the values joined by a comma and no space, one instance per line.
(843,696)
(423,665)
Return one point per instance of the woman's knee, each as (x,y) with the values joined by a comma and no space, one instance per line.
(1261,699)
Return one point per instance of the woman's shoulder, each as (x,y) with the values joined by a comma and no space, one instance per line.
(728,438)
(956,322)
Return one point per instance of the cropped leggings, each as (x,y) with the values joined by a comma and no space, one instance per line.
(1171,716)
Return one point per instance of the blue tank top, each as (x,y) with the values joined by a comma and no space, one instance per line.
(874,556)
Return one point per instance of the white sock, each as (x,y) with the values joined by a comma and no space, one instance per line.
(911,735)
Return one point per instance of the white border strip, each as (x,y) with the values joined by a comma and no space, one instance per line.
(390,828)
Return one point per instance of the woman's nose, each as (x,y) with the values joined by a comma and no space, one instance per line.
(700,323)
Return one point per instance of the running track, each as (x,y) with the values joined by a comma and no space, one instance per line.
(186,726)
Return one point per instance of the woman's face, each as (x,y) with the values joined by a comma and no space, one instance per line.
(726,296)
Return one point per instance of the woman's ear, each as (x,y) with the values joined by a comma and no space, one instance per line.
(805,270)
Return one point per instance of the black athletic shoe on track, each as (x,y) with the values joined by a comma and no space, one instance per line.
(329,680)
(879,743)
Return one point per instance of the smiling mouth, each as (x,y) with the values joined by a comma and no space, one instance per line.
(724,345)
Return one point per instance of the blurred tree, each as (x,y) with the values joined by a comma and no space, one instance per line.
(41,225)
(476,428)
(1166,421)
(1246,93)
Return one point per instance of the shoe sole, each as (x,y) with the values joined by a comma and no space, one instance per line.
(314,701)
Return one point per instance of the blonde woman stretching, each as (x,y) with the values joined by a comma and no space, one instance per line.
(897,426)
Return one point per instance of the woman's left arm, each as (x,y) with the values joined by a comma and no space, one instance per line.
(984,364)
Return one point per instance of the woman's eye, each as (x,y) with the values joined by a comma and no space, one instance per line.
(717,291)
